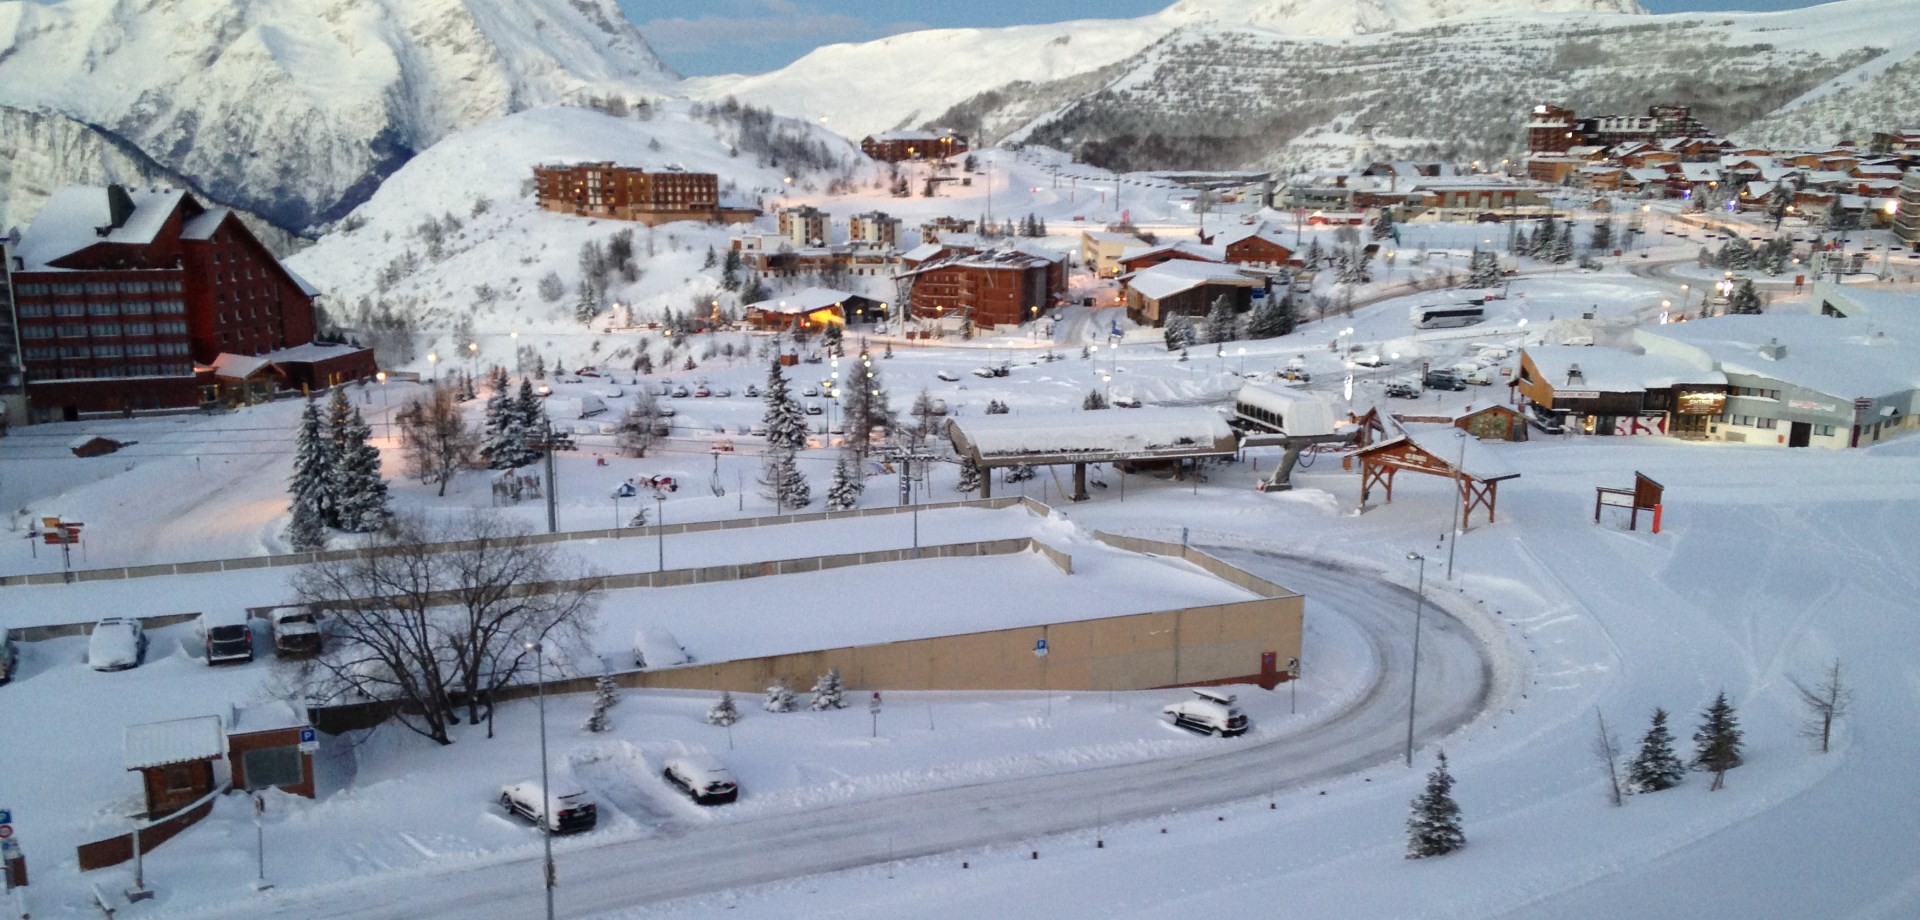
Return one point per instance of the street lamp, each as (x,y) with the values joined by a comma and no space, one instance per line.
(433,361)
(660,526)
(539,651)
(1413,682)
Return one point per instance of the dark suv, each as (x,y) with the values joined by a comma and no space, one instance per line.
(1443,380)
(227,639)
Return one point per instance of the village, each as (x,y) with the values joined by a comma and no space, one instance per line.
(935,499)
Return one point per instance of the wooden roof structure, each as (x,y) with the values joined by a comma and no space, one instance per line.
(1477,471)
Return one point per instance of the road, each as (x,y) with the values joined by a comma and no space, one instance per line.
(679,861)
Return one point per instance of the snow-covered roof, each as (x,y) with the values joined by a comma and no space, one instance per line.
(1169,278)
(802,302)
(1700,172)
(1031,248)
(306,287)
(1301,414)
(274,715)
(910,136)
(1612,370)
(238,367)
(1108,432)
(157,744)
(1188,247)
(922,252)
(71,218)
(308,353)
(1647,174)
(203,226)
(1844,358)
(1103,236)
(1455,448)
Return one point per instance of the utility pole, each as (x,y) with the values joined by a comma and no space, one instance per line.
(553,488)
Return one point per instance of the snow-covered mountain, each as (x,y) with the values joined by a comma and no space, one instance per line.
(914,78)
(297,109)
(1359,17)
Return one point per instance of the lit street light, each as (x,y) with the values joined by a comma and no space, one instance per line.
(433,361)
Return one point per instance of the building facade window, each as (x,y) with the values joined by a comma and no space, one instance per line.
(36,309)
(69,309)
(1764,422)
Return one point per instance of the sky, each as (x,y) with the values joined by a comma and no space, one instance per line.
(751,36)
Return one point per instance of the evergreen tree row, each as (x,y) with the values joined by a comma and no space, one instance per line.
(336,480)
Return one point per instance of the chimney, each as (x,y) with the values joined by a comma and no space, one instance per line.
(1773,350)
(1573,374)
(119,207)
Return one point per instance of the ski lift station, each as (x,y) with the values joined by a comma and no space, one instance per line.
(1179,436)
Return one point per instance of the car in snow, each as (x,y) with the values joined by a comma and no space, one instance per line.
(948,376)
(679,392)
(702,392)
(752,392)
(117,643)
(296,632)
(814,409)
(1210,712)
(1127,402)
(1369,360)
(758,429)
(1402,390)
(543,390)
(1441,378)
(571,812)
(705,779)
(810,391)
(227,636)
(9,657)
(722,392)
(655,647)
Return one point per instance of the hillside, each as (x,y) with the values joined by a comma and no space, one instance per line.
(1209,97)
(297,109)
(454,239)
(859,89)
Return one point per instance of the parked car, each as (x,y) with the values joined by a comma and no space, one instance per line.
(227,636)
(702,392)
(1443,379)
(814,409)
(1210,712)
(655,647)
(9,656)
(810,391)
(679,392)
(752,392)
(571,811)
(705,779)
(1399,390)
(665,411)
(1127,402)
(948,376)
(722,392)
(1368,360)
(296,632)
(117,643)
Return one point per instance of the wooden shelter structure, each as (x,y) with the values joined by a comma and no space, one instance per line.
(1077,438)
(1475,470)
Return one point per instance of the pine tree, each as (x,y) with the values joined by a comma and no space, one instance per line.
(1716,744)
(779,698)
(1745,300)
(1655,767)
(1273,318)
(530,415)
(606,695)
(1383,225)
(828,692)
(1434,827)
(496,437)
(1483,269)
(866,403)
(724,712)
(1562,250)
(1602,239)
(1222,320)
(586,304)
(312,483)
(1543,236)
(969,477)
(1179,332)
(360,493)
(843,494)
(786,421)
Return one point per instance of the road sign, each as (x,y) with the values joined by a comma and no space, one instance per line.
(6,831)
(873,705)
(1293,668)
(1039,648)
(309,741)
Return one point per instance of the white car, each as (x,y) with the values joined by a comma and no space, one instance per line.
(705,779)
(1210,712)
(655,647)
(572,809)
(948,376)
(117,643)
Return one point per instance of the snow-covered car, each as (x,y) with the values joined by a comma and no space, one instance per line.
(758,429)
(814,409)
(296,632)
(655,647)
(702,392)
(722,392)
(679,392)
(948,376)
(665,411)
(752,392)
(810,391)
(1369,360)
(705,779)
(117,643)
(572,810)
(1127,402)
(1210,712)
(609,392)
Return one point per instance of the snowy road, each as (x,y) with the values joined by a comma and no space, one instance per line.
(679,860)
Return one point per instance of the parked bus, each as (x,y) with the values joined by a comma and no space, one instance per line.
(1440,316)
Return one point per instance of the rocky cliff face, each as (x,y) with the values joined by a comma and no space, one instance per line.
(297,109)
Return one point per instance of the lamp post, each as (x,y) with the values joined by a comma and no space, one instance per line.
(386,407)
(659,526)
(539,651)
(1460,522)
(1413,682)
(433,361)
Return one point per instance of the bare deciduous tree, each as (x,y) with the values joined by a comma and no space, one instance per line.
(1825,702)
(434,628)
(1607,748)
(436,438)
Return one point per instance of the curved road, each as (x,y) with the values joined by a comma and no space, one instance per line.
(679,861)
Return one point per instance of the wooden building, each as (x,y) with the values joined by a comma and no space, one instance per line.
(1185,287)
(175,760)
(1606,391)
(995,288)
(264,749)
(632,193)
(897,146)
